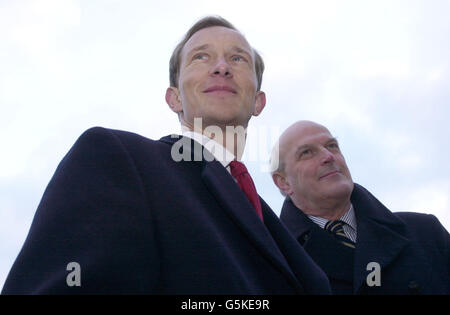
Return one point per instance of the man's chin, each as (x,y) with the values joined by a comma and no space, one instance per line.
(222,121)
(340,189)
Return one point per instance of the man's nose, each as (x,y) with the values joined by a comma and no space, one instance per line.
(221,68)
(327,156)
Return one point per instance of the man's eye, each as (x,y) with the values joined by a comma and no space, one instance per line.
(305,153)
(333,145)
(200,57)
(238,59)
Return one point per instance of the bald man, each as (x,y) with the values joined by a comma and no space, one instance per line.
(362,246)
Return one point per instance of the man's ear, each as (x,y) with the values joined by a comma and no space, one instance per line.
(281,182)
(260,103)
(173,99)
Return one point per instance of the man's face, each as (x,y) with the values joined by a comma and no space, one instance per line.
(217,79)
(315,169)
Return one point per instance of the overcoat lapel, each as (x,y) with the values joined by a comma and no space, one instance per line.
(380,235)
(228,194)
(335,259)
(234,202)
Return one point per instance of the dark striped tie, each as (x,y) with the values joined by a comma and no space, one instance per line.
(337,229)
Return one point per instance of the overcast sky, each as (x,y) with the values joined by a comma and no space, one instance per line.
(376,73)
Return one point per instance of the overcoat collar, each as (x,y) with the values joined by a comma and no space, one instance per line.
(231,198)
(381,236)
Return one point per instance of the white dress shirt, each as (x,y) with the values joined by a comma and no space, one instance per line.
(220,153)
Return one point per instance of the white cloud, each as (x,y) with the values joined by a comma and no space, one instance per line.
(430,197)
(436,73)
(36,27)
(391,68)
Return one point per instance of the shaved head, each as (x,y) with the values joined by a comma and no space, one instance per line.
(312,170)
(290,134)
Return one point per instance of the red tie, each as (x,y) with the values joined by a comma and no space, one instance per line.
(240,173)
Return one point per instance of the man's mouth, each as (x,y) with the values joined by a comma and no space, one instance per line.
(220,89)
(329,174)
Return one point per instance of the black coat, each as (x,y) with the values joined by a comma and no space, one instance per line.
(412,249)
(138,222)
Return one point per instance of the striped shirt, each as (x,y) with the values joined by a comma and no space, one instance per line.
(348,217)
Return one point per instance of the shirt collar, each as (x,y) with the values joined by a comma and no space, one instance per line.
(348,217)
(220,153)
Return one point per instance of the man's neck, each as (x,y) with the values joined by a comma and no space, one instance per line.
(330,210)
(232,138)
